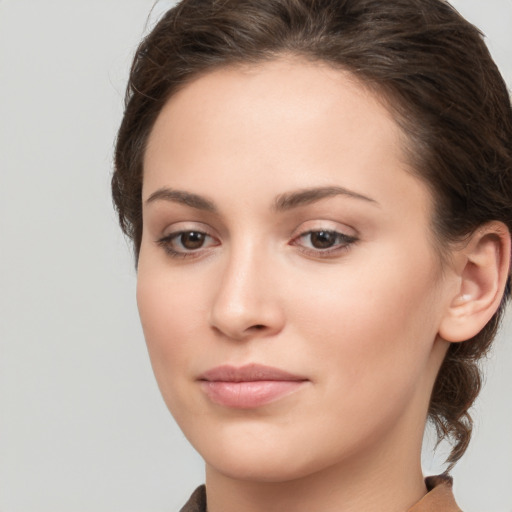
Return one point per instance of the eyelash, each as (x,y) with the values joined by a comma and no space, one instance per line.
(344,243)
(167,241)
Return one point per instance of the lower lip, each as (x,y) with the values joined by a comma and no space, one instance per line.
(249,394)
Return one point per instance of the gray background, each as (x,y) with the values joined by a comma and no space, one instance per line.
(82,424)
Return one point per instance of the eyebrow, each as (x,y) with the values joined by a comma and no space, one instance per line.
(180,196)
(292,200)
(283,202)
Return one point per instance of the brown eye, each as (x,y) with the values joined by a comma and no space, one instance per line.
(192,240)
(324,243)
(188,243)
(323,239)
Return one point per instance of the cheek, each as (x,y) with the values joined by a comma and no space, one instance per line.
(169,310)
(370,328)
(369,345)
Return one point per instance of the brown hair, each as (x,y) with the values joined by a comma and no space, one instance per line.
(439,81)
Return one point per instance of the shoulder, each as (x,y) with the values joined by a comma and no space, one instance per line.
(197,502)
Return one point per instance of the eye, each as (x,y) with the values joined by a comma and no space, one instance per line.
(324,242)
(191,240)
(323,239)
(186,243)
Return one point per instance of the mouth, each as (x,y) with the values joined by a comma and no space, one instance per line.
(249,386)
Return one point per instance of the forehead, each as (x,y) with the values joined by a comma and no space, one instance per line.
(292,122)
(286,96)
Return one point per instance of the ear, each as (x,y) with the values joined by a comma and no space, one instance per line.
(482,267)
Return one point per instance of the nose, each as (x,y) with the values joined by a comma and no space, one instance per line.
(246,302)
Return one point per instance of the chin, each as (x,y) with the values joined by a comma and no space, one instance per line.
(263,455)
(261,467)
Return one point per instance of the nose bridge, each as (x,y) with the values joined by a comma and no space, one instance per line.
(245,302)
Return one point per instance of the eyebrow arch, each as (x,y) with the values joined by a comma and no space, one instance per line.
(292,200)
(182,197)
(282,203)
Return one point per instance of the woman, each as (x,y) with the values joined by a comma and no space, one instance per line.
(320,199)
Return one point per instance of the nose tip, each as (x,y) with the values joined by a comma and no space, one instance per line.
(245,306)
(239,323)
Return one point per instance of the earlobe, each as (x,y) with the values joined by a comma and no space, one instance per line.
(483,269)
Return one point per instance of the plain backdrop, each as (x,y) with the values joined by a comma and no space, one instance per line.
(82,424)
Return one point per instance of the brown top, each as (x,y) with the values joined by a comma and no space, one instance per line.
(438,499)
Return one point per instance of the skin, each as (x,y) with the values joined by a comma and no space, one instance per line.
(360,323)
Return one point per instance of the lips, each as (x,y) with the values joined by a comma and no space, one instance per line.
(249,386)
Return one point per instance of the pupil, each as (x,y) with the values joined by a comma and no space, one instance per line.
(323,239)
(192,240)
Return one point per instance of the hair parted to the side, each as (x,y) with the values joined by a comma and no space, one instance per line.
(437,77)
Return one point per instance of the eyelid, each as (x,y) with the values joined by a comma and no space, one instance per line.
(324,225)
(173,232)
(180,227)
(309,228)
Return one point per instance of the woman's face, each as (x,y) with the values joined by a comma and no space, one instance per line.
(288,287)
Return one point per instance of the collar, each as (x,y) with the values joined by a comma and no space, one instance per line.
(438,499)
(440,496)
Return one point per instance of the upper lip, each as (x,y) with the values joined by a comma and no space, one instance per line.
(248,373)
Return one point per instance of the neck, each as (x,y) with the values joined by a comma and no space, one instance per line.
(387,480)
